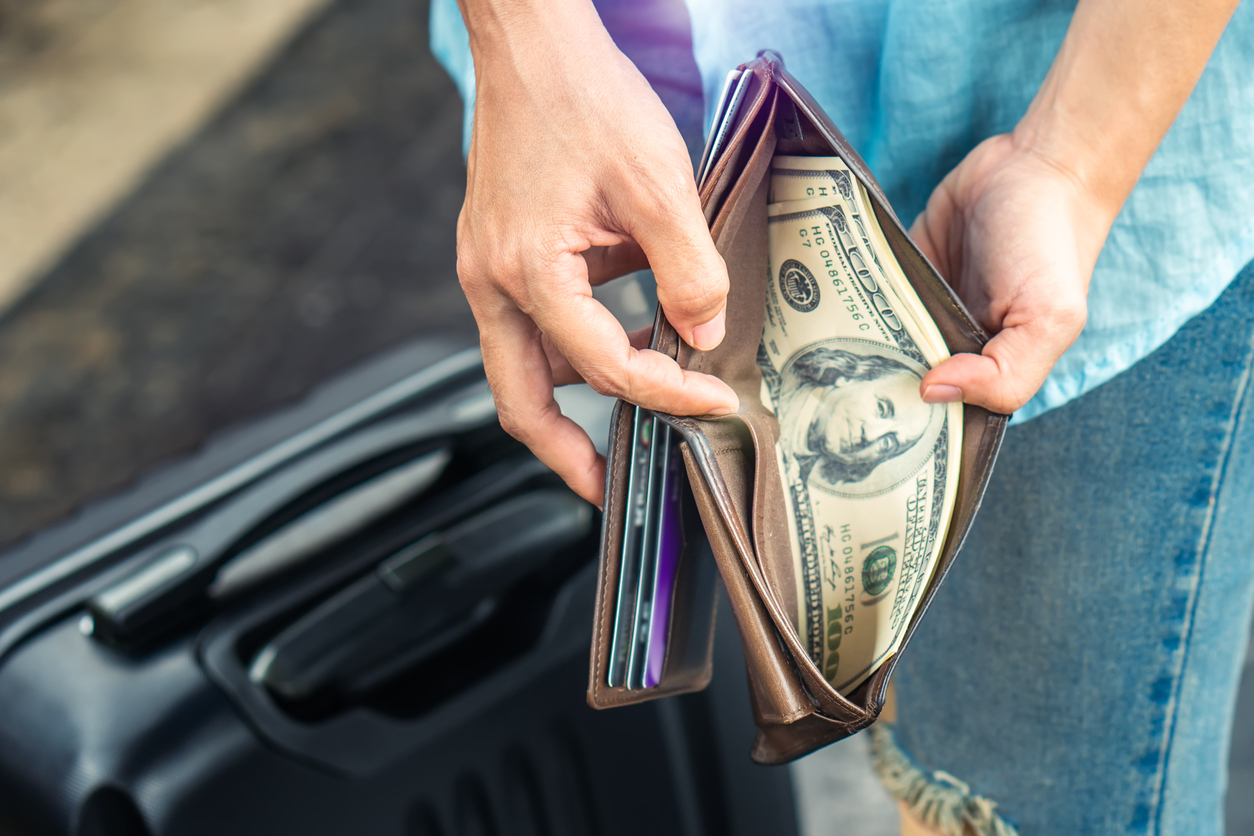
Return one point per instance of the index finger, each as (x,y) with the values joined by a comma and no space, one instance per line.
(597,347)
(519,373)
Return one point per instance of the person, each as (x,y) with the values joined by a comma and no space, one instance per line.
(1077,672)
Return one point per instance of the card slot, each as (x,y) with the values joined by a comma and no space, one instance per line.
(600,695)
(646,551)
(726,170)
(635,538)
(694,597)
(740,233)
(689,658)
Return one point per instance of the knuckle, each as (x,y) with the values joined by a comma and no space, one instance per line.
(660,193)
(472,263)
(1076,317)
(999,401)
(480,272)
(527,424)
(512,423)
(521,424)
(1070,314)
(1007,391)
(536,276)
(604,382)
(672,187)
(697,295)
(469,275)
(1007,405)
(1013,397)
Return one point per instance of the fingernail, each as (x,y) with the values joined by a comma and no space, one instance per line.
(942,393)
(725,410)
(709,335)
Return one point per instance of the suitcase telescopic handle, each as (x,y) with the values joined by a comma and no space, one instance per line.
(421,599)
(180,570)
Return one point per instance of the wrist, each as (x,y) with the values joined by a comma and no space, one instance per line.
(1122,73)
(1092,153)
(534,28)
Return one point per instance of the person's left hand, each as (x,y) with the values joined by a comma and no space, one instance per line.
(1016,235)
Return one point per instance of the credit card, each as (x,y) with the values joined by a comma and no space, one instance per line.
(734,90)
(670,542)
(633,540)
(643,610)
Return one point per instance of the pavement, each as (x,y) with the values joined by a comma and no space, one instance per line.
(92,90)
(306,223)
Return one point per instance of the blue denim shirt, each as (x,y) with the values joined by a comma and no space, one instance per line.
(916,84)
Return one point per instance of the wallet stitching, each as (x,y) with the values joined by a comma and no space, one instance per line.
(612,502)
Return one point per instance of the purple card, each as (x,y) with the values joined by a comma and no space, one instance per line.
(669,545)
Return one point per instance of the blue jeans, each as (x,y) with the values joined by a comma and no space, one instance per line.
(1079,667)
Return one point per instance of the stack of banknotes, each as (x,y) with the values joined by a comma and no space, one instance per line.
(869,470)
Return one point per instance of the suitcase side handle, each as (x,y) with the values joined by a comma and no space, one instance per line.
(420,599)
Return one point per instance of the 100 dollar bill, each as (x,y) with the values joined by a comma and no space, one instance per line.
(869,469)
(829,180)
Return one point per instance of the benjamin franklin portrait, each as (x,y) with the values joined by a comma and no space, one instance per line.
(851,417)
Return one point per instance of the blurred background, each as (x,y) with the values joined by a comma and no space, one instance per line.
(206,206)
(209,206)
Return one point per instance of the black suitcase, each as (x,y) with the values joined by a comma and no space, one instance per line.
(408,658)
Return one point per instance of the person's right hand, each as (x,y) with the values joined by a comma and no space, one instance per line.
(577,175)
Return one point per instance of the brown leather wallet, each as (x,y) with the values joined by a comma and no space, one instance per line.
(730,460)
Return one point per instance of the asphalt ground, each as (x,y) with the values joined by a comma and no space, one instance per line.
(308,225)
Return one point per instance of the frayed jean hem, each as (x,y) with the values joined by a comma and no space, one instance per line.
(937,799)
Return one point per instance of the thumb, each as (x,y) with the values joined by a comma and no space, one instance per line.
(691,276)
(1004,377)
